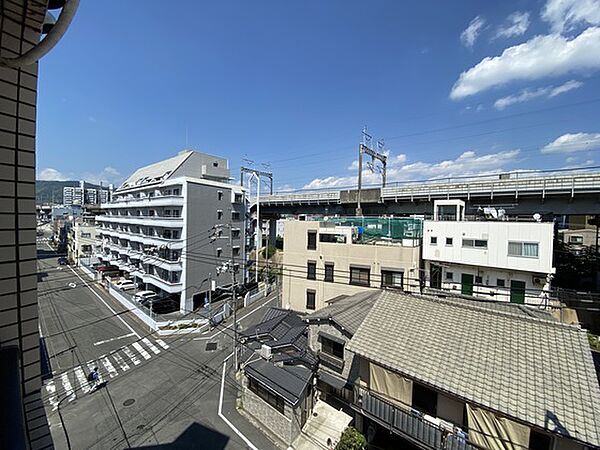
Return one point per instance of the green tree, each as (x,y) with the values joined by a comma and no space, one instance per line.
(269,251)
(351,439)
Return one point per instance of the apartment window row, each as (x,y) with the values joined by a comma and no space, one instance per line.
(359,276)
(272,399)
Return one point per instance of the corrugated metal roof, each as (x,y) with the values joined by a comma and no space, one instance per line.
(538,371)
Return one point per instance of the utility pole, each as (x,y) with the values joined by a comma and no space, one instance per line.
(365,148)
(233,300)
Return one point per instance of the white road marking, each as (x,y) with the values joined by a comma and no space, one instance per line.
(121,362)
(114,339)
(153,347)
(162,343)
(220,410)
(106,304)
(112,372)
(131,355)
(68,387)
(141,350)
(84,383)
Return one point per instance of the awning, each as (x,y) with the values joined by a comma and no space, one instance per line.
(332,380)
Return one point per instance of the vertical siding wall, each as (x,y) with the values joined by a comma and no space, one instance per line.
(20,22)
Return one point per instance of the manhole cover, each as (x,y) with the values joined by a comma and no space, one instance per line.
(211,346)
(128,402)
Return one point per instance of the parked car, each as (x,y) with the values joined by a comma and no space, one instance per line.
(163,305)
(62,261)
(125,285)
(145,295)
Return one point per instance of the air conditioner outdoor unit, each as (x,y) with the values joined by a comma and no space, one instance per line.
(265,351)
(538,281)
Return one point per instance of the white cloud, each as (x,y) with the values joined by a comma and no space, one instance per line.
(573,142)
(50,174)
(468,163)
(527,94)
(517,24)
(470,34)
(564,15)
(105,176)
(92,119)
(541,56)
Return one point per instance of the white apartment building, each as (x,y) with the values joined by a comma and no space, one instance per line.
(73,195)
(82,195)
(82,243)
(159,228)
(323,259)
(495,260)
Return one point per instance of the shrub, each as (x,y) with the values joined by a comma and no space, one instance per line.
(351,439)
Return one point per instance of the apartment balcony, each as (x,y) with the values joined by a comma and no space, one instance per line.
(153,221)
(337,364)
(161,200)
(166,264)
(168,286)
(419,429)
(146,239)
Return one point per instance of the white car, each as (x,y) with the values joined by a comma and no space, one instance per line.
(125,285)
(142,295)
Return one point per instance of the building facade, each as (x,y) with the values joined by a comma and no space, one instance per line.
(81,240)
(83,195)
(495,260)
(343,256)
(173,225)
(463,374)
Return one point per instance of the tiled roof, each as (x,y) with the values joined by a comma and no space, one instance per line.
(538,371)
(347,312)
(278,327)
(289,382)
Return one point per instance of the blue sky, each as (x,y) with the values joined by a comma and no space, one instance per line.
(454,88)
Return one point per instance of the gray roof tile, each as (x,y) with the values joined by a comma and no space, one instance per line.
(519,364)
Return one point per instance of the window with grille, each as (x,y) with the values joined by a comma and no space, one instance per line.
(360,276)
(329,268)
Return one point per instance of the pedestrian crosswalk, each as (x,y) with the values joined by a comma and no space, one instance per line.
(65,387)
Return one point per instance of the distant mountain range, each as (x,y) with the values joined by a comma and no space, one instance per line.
(48,192)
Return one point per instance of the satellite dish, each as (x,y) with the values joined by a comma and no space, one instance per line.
(537,217)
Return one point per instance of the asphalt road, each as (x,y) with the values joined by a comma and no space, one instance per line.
(160,392)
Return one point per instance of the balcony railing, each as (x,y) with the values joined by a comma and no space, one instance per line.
(411,424)
(331,361)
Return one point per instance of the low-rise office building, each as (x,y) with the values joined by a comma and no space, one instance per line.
(323,259)
(462,374)
(173,225)
(496,260)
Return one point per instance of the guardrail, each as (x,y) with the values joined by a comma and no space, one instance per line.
(566,184)
(299,197)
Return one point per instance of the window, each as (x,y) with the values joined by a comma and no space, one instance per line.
(500,282)
(310,299)
(175,191)
(235,215)
(433,240)
(236,251)
(220,195)
(272,399)
(474,243)
(392,279)
(449,241)
(219,252)
(449,276)
(175,234)
(332,348)
(219,214)
(524,249)
(311,270)
(360,276)
(235,233)
(424,399)
(329,272)
(575,239)
(311,240)
(152,213)
(539,441)
(331,237)
(176,213)
(86,235)
(478,279)
(237,198)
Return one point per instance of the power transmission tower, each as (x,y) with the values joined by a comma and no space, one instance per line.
(365,148)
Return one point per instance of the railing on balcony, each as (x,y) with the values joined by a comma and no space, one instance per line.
(411,424)
(331,361)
